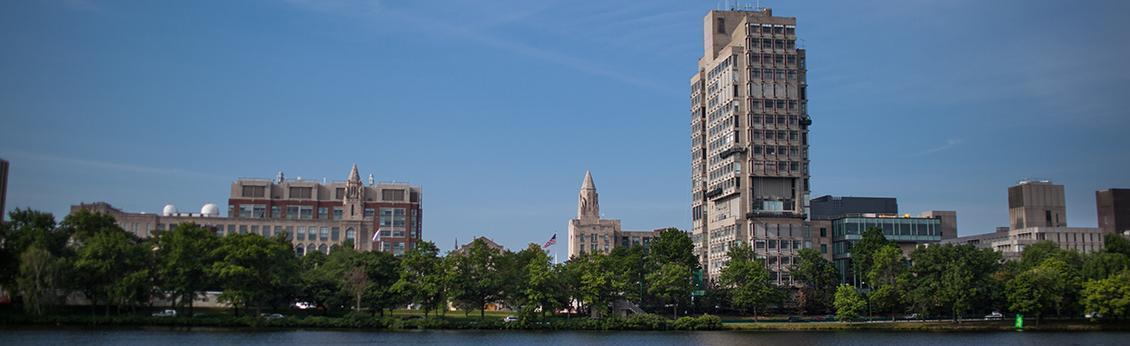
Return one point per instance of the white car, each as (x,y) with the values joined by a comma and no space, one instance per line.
(1093,315)
(510,319)
(994,316)
(166,313)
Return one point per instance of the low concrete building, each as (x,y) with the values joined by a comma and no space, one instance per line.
(1037,212)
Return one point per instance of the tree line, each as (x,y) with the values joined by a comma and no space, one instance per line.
(41,262)
(961,281)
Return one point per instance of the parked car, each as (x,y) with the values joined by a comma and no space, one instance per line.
(994,316)
(913,316)
(166,313)
(1093,315)
(510,318)
(795,319)
(271,316)
(304,305)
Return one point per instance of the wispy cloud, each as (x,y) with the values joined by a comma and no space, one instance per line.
(82,165)
(950,143)
(471,34)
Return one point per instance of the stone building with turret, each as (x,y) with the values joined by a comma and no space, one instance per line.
(313,215)
(589,233)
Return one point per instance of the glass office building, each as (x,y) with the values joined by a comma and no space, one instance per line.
(906,232)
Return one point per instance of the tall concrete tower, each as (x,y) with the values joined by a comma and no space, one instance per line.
(1036,204)
(749,140)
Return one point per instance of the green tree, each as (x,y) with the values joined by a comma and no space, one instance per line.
(597,287)
(849,303)
(252,269)
(1116,243)
(422,277)
(183,257)
(631,265)
(952,279)
(477,279)
(861,252)
(888,277)
(26,228)
(105,266)
(1110,297)
(83,224)
(817,278)
(672,246)
(38,278)
(383,271)
(543,284)
(1100,265)
(747,279)
(1042,288)
(671,284)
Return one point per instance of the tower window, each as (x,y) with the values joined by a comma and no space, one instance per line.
(721,25)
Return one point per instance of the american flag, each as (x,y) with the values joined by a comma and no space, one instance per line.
(552,240)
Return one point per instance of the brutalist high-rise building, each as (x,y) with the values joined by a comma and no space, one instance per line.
(749,141)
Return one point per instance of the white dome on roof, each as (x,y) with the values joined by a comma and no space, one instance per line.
(210,210)
(169,210)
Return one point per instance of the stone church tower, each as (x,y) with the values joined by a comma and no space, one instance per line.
(588,203)
(588,232)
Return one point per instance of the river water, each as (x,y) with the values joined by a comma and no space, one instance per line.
(165,337)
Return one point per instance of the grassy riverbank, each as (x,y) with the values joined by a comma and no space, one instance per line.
(395,321)
(939,326)
(412,320)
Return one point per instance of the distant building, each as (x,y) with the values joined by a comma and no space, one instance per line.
(833,207)
(1037,212)
(1036,204)
(1113,207)
(490,244)
(589,233)
(3,190)
(906,232)
(313,216)
(948,219)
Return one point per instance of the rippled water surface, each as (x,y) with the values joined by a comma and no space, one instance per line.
(72,336)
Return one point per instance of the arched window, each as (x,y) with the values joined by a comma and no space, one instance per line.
(299,250)
(324,249)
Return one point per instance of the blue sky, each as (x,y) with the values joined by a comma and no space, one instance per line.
(497,108)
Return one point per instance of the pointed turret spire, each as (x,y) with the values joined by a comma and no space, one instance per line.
(588,184)
(354,175)
(588,205)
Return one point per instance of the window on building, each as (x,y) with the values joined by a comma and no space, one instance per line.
(305,212)
(301,233)
(334,233)
(322,211)
(292,212)
(242,229)
(338,213)
(276,212)
(392,195)
(300,250)
(324,234)
(369,212)
(339,193)
(350,234)
(254,191)
(301,192)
